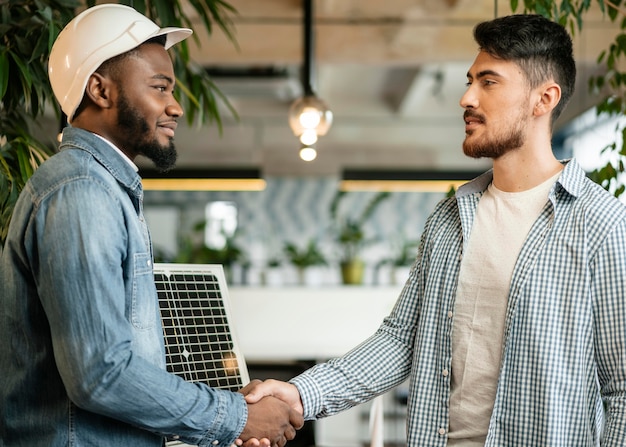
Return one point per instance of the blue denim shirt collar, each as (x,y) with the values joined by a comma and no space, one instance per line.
(119,168)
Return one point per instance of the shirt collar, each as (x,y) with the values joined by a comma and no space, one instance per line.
(571,179)
(118,165)
(124,156)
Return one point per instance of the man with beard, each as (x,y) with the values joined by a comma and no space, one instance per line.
(82,358)
(512,325)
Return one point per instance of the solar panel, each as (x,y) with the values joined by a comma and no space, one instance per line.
(200,345)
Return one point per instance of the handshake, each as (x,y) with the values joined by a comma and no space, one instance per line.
(275,412)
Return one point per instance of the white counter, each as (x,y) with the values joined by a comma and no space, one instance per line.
(283,324)
(316,323)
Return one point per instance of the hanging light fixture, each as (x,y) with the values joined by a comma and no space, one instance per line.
(308,153)
(309,116)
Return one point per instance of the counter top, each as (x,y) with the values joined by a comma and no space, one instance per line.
(279,324)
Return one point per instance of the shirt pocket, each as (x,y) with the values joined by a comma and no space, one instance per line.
(144,300)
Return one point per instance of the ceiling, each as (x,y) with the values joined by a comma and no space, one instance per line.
(392,72)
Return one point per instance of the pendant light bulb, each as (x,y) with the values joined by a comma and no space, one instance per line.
(310,113)
(308,153)
(308,137)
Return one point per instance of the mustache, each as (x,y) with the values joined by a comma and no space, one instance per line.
(472,114)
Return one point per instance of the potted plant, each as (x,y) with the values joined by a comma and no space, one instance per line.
(303,258)
(193,250)
(271,274)
(351,235)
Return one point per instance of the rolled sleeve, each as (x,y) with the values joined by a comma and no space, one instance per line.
(228,421)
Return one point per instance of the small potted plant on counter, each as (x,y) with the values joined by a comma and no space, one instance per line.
(272,273)
(304,258)
(351,236)
(193,250)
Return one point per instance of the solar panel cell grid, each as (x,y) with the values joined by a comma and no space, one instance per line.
(197,327)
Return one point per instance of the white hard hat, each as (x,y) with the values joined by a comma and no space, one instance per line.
(92,37)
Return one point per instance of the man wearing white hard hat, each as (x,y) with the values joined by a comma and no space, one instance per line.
(82,355)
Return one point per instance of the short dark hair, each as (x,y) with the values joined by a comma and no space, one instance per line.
(542,49)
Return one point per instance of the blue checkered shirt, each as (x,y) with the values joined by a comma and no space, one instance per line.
(563,371)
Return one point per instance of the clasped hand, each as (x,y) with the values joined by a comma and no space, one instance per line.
(275,412)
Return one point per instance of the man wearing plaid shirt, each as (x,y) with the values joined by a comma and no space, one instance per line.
(512,324)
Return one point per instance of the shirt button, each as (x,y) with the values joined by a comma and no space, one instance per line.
(450,314)
(149,262)
(444,373)
(441,431)
(216,442)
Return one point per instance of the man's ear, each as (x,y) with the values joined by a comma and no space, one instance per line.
(549,97)
(98,90)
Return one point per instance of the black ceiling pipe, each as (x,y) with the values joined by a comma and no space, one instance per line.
(309,49)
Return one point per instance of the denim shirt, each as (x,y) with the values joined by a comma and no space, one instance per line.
(82,353)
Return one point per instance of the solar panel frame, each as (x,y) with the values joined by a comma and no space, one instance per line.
(200,343)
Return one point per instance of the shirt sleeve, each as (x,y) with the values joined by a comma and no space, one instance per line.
(375,366)
(609,298)
(80,242)
(381,362)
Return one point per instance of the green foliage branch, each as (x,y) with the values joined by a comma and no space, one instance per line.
(28,29)
(611,84)
(349,230)
(193,249)
(307,256)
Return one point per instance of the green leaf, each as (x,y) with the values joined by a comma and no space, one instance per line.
(4,74)
(39,31)
(622,151)
(612,13)
(26,77)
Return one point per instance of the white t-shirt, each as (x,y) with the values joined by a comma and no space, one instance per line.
(501,224)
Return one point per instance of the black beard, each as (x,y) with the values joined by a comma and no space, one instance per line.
(163,157)
(495,148)
(499,145)
(131,121)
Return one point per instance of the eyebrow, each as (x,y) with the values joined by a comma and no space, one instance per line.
(482,74)
(163,77)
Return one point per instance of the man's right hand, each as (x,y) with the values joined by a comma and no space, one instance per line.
(284,391)
(273,419)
